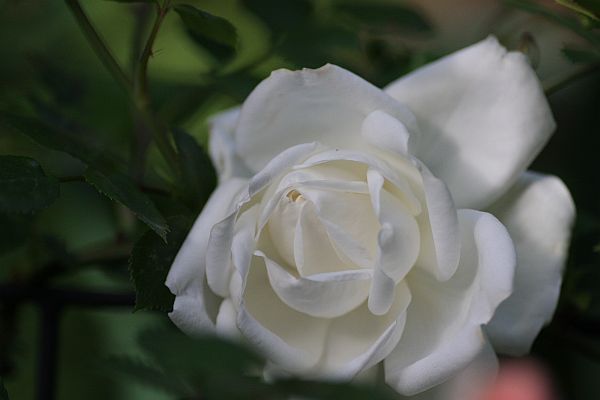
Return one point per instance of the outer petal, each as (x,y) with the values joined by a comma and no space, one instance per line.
(288,338)
(186,279)
(483,118)
(443,328)
(469,383)
(327,105)
(538,212)
(222,145)
(360,339)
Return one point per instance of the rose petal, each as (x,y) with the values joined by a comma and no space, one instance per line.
(325,295)
(468,384)
(222,145)
(358,340)
(538,213)
(274,328)
(440,239)
(279,164)
(397,244)
(385,132)
(354,233)
(226,320)
(187,274)
(327,105)
(220,240)
(400,172)
(483,118)
(443,331)
(314,251)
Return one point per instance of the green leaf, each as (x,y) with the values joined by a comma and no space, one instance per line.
(76,145)
(578,56)
(3,391)
(149,265)
(120,188)
(204,356)
(198,177)
(570,4)
(215,34)
(281,19)
(104,170)
(385,16)
(333,390)
(148,375)
(24,188)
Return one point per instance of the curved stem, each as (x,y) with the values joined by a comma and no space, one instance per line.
(100,48)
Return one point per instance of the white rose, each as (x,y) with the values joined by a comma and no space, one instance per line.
(347,227)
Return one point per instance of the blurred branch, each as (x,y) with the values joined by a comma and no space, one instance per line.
(106,255)
(51,302)
(99,46)
(561,83)
(48,350)
(70,297)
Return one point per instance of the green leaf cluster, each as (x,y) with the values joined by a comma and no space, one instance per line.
(215,368)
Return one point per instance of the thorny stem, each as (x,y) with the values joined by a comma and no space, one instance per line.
(141,80)
(141,135)
(142,97)
(139,98)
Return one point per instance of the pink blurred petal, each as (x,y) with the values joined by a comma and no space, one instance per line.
(520,379)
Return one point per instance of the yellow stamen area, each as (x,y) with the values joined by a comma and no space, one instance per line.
(295,195)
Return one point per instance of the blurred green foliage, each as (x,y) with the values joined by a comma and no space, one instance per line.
(103,169)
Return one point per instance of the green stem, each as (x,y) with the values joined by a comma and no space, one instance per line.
(141,79)
(100,48)
(142,136)
(142,97)
(141,15)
